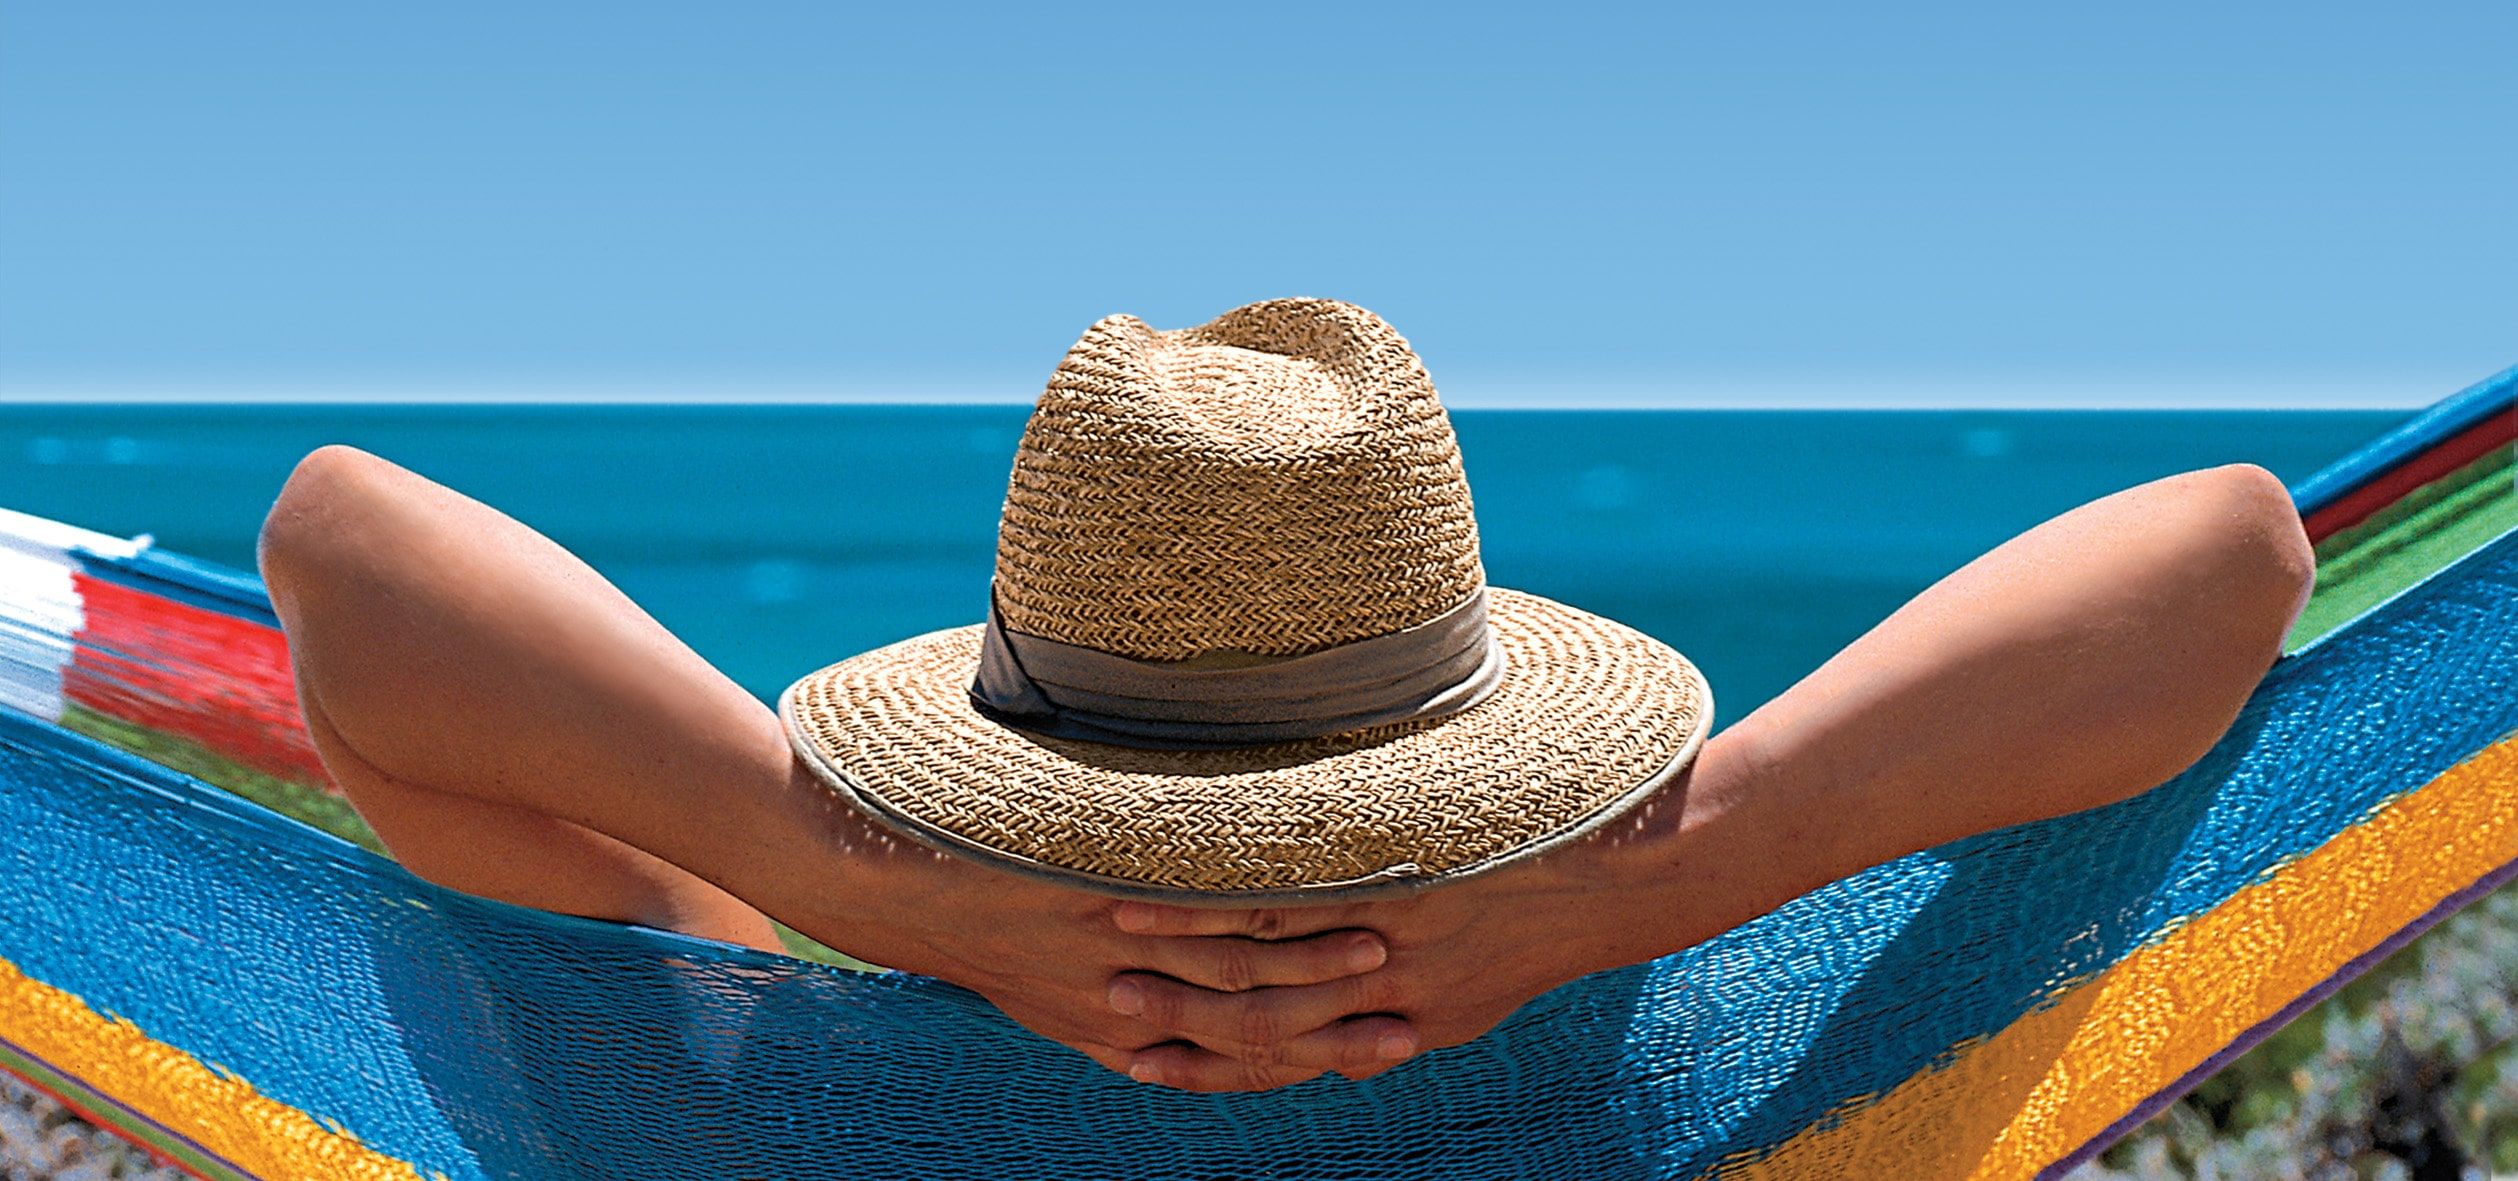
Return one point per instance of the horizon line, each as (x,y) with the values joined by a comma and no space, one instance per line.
(1977,394)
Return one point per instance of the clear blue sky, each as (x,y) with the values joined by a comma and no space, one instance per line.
(1557,203)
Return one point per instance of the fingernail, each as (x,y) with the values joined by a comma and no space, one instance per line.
(1364,955)
(1145,1072)
(1126,999)
(1131,918)
(1395,1046)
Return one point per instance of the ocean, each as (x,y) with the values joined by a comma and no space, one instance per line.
(775,539)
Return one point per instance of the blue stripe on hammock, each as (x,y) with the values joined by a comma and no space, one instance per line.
(186,580)
(2497,394)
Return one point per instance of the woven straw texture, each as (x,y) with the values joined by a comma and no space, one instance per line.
(1276,482)
(1588,712)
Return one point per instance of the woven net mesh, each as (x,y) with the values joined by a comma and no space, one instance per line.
(480,1040)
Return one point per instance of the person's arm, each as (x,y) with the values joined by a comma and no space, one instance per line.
(513,726)
(493,709)
(2084,661)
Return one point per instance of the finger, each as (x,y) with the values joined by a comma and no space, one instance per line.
(1192,1068)
(1249,1025)
(1231,963)
(1272,922)
(1359,1049)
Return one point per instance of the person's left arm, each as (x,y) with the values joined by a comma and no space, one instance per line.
(515,727)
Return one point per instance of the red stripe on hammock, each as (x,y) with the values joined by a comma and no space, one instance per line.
(2446,456)
(193,673)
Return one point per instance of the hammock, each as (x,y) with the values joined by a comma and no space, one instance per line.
(189,957)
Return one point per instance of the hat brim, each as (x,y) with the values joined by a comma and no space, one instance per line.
(1592,717)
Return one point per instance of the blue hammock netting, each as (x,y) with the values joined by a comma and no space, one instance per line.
(189,956)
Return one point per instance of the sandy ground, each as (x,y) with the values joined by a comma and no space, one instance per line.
(41,1142)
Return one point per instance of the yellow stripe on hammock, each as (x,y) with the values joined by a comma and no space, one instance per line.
(223,1114)
(2023,1098)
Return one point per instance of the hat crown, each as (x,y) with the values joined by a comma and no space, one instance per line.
(1277,481)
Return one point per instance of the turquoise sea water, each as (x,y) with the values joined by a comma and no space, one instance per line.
(778,538)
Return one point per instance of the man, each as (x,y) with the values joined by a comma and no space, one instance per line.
(512,726)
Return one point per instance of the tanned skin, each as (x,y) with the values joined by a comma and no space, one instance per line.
(513,726)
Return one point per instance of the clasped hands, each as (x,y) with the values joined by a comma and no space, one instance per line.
(1250,999)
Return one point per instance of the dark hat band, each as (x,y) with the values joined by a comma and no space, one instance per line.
(1432,670)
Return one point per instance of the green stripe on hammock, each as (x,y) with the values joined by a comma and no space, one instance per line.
(2406,542)
(304,802)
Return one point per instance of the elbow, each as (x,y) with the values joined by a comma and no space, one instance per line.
(2252,555)
(2242,568)
(318,511)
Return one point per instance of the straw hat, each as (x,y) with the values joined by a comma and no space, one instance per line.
(1240,647)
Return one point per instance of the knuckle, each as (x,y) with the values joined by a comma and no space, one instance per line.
(1312,961)
(1162,1002)
(1235,968)
(1372,992)
(1207,1081)
(1259,1025)
(1359,1047)
(1271,923)
(1255,1077)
